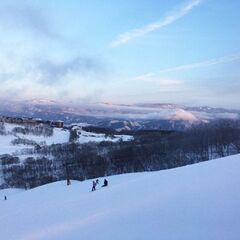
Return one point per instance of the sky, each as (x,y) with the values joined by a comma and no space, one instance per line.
(128,51)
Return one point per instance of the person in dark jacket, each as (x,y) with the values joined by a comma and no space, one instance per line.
(105,183)
(94,186)
(97,182)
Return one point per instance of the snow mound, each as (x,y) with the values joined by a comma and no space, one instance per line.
(200,201)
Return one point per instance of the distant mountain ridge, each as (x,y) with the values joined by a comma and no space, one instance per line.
(119,116)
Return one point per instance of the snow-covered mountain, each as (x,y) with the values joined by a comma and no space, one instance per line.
(119,116)
(200,201)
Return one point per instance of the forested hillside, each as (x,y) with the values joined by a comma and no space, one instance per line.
(109,154)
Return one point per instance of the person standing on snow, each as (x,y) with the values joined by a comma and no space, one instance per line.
(94,186)
(97,182)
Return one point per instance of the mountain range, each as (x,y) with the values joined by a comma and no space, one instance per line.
(119,116)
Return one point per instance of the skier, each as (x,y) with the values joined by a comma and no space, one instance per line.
(94,186)
(97,182)
(105,183)
(5,197)
(68,182)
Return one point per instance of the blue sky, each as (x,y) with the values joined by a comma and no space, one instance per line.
(175,51)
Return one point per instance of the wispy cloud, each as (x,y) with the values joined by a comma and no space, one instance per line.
(158,78)
(169,19)
(153,78)
(144,77)
(208,63)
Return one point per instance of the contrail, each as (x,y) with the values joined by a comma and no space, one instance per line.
(208,63)
(169,19)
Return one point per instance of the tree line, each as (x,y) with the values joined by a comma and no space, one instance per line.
(149,151)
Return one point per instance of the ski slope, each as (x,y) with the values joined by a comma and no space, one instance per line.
(86,137)
(59,136)
(195,202)
(6,146)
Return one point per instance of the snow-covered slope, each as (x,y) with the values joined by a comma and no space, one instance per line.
(7,147)
(200,201)
(85,137)
(58,136)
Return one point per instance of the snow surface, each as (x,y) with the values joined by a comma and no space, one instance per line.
(195,202)
(85,137)
(6,147)
(59,136)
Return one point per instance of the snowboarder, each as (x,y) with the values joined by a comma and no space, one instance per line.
(94,186)
(5,197)
(105,183)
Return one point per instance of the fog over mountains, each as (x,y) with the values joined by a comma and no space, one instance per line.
(119,116)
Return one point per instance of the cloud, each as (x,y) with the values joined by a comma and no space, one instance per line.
(169,19)
(145,77)
(209,91)
(153,78)
(79,78)
(208,63)
(53,72)
(22,15)
(46,65)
